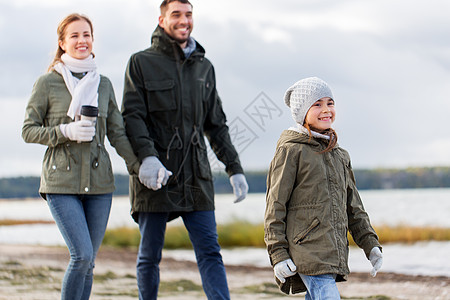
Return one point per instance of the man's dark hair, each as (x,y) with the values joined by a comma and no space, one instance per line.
(165,3)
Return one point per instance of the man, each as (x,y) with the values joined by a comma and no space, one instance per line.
(170,103)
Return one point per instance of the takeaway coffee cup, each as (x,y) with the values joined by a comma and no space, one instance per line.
(89,113)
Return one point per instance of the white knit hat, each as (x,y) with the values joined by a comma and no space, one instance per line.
(303,94)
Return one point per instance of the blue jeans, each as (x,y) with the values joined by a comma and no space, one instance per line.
(201,226)
(82,221)
(320,287)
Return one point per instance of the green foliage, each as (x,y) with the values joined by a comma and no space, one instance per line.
(233,234)
(244,234)
(435,177)
(241,234)
(9,222)
(408,234)
(177,237)
(122,237)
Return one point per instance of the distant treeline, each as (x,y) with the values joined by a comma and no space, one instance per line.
(434,177)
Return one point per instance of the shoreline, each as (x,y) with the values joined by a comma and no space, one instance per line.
(35,273)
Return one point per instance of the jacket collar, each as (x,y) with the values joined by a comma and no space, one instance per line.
(163,43)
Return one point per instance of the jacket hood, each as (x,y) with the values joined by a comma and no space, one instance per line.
(162,42)
(292,136)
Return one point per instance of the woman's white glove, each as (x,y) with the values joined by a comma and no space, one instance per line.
(240,187)
(284,269)
(376,259)
(153,174)
(79,131)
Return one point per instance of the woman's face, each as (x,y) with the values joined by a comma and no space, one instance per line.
(78,40)
(321,114)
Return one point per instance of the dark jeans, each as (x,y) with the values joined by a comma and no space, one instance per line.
(201,226)
(82,221)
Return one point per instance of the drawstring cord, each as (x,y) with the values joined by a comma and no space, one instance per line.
(195,140)
(177,136)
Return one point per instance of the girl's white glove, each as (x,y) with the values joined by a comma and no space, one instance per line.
(240,187)
(284,269)
(376,259)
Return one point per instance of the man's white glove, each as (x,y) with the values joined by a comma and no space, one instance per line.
(240,187)
(80,131)
(284,269)
(376,259)
(153,174)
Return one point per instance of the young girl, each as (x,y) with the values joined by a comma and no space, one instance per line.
(312,200)
(77,179)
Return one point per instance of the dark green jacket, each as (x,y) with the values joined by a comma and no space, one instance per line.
(312,202)
(169,104)
(70,167)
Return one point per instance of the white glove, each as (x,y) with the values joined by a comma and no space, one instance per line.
(240,187)
(80,131)
(284,269)
(153,174)
(376,259)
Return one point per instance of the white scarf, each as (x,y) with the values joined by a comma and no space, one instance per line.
(84,91)
(301,129)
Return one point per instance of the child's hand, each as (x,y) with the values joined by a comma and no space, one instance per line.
(284,269)
(376,259)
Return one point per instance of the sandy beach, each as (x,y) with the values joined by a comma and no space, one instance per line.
(35,273)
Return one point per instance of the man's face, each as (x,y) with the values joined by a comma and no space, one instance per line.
(177,22)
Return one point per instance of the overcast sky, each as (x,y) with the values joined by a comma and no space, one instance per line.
(387,62)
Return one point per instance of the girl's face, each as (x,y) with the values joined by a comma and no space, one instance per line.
(321,114)
(78,40)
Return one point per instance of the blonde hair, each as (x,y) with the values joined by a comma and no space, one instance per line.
(61,31)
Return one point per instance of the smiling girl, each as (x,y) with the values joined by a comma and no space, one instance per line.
(312,200)
(77,179)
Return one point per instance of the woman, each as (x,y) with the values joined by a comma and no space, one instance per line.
(77,179)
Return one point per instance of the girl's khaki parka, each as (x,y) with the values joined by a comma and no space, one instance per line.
(312,202)
(69,167)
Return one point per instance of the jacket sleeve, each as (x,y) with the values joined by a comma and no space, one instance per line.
(116,134)
(134,111)
(34,129)
(217,132)
(358,220)
(280,182)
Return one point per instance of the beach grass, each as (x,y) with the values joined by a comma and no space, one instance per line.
(411,234)
(244,234)
(238,233)
(12,222)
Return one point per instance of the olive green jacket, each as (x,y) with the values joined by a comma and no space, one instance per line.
(169,104)
(70,167)
(312,202)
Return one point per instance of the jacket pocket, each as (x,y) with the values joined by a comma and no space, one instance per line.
(57,167)
(202,164)
(303,234)
(160,95)
(102,174)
